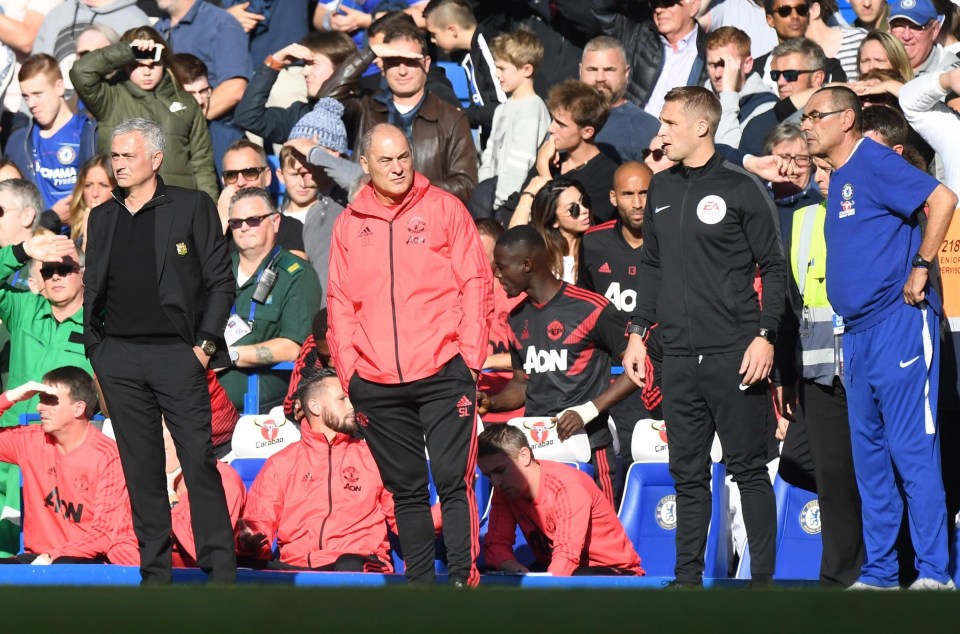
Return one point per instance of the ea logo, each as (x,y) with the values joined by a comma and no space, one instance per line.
(711,209)
(667,512)
(846,192)
(810,517)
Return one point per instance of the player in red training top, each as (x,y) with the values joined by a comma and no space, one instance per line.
(76,507)
(570,525)
(322,497)
(184,545)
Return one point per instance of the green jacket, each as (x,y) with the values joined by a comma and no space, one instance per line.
(38,343)
(188,160)
(288,313)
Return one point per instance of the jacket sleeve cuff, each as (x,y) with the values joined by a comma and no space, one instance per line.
(637,320)
(770,323)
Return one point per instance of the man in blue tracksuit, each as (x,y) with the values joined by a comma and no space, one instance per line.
(877,279)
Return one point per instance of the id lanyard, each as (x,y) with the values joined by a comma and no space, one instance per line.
(253,304)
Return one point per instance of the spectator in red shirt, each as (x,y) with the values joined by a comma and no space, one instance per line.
(568,522)
(76,508)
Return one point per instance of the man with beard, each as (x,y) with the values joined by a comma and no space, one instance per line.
(609,259)
(628,129)
(321,497)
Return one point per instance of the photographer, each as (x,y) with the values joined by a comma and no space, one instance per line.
(277,296)
(151,91)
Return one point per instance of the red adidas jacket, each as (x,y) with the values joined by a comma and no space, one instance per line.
(75,504)
(321,499)
(409,287)
(570,524)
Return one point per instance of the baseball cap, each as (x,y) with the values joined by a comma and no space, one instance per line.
(919,12)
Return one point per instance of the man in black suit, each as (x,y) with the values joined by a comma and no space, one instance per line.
(158,290)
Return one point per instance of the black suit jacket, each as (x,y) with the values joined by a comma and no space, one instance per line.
(196,287)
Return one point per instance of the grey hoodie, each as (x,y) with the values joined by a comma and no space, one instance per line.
(58,33)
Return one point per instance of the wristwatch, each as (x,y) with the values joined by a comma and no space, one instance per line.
(207,347)
(234,356)
(920,263)
(274,63)
(769,335)
(636,329)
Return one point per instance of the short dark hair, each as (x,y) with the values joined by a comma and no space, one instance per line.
(585,104)
(501,439)
(888,123)
(253,192)
(79,384)
(490,227)
(335,45)
(457,12)
(310,381)
(405,30)
(189,68)
(842,98)
(247,144)
(521,236)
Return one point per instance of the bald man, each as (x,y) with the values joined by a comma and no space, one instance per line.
(409,305)
(609,259)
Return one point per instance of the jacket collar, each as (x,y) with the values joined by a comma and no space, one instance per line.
(159,195)
(315,440)
(366,202)
(695,173)
(426,110)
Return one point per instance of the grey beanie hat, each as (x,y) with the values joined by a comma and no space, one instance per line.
(324,123)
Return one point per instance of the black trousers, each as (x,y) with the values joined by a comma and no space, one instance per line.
(702,396)
(398,421)
(817,457)
(141,383)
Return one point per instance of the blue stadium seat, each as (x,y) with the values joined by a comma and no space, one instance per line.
(648,514)
(33,417)
(251,400)
(458,78)
(799,547)
(248,468)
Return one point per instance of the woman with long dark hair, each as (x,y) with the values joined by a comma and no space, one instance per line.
(561,213)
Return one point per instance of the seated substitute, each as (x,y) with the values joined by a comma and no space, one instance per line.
(570,525)
(321,497)
(276,296)
(76,507)
(562,339)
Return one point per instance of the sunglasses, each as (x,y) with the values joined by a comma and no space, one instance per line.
(249,173)
(253,221)
(574,210)
(61,270)
(907,25)
(784,12)
(790,75)
(665,4)
(656,154)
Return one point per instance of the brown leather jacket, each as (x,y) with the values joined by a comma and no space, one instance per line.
(443,147)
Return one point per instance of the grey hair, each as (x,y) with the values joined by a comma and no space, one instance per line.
(253,192)
(111,36)
(367,139)
(606,43)
(152,133)
(812,54)
(27,194)
(785,131)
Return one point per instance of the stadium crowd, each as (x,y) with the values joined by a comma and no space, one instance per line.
(450,214)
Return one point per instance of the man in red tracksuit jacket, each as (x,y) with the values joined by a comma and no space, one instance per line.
(322,496)
(568,522)
(409,304)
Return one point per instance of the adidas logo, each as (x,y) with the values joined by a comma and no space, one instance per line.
(464,402)
(605,268)
(365,233)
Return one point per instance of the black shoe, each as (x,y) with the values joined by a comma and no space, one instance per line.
(683,585)
(760,583)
